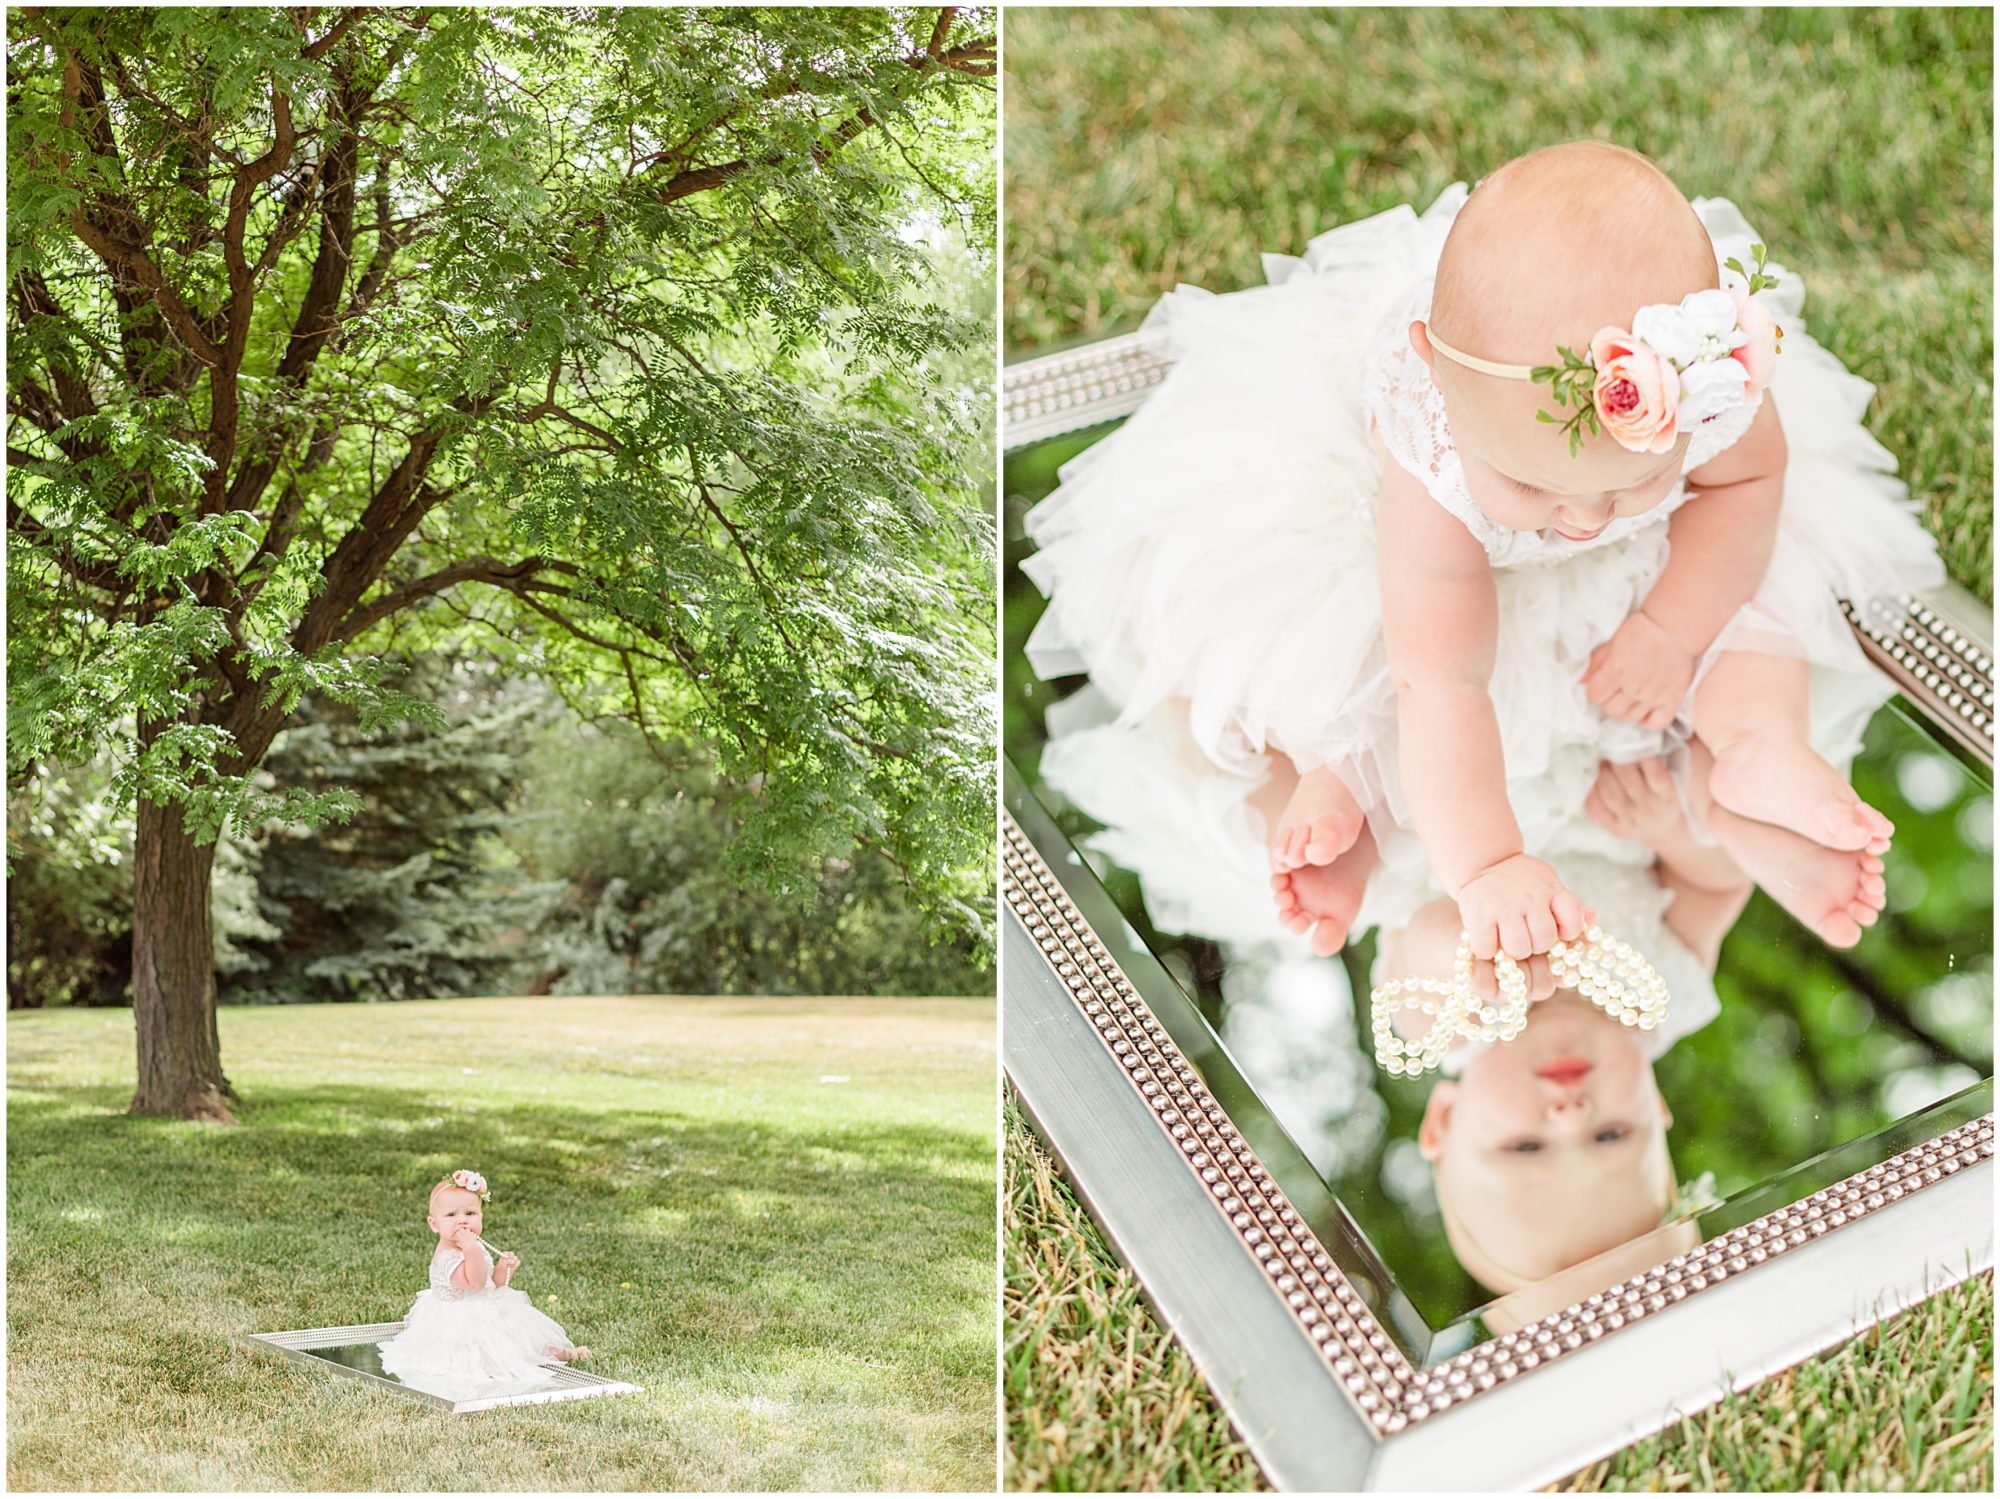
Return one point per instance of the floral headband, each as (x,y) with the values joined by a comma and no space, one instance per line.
(1677,367)
(1611,974)
(465,1181)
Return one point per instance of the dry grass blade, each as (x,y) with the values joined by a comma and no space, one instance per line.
(1098,1397)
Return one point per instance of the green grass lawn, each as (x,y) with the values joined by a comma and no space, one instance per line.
(775,1214)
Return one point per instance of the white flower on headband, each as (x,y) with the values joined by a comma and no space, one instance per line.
(1711,388)
(471,1181)
(1701,328)
(1681,364)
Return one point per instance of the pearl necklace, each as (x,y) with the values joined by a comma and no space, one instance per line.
(1610,973)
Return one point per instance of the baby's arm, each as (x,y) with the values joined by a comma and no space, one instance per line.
(1440,622)
(1720,548)
(472,1269)
(1701,917)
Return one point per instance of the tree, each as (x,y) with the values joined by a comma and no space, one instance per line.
(603,336)
(630,853)
(404,901)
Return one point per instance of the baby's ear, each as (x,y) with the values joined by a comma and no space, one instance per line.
(1437,1120)
(1666,1114)
(1420,340)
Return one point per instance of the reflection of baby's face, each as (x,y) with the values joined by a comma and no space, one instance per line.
(1550,1148)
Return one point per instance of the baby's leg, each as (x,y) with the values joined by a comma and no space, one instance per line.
(1324,897)
(1754,710)
(1320,896)
(1319,822)
(1836,892)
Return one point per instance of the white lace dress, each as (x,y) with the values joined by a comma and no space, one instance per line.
(1214,559)
(464,1344)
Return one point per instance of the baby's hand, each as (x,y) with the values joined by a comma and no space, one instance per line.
(504,1268)
(1635,801)
(1641,673)
(1520,907)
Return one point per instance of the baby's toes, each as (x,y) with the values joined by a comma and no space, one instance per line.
(1328,937)
(1862,913)
(1873,889)
(1839,929)
(1288,848)
(1846,828)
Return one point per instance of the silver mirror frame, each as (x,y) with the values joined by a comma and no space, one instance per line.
(1318,1389)
(573,1384)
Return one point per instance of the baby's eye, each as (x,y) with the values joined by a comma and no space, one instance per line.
(1610,1134)
(1525,1147)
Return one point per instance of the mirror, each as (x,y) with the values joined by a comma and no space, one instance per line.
(356,1352)
(1804,1060)
(367,1359)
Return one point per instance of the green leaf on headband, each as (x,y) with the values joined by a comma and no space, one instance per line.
(1570,384)
(1757,278)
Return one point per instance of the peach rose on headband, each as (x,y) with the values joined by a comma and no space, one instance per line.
(1637,392)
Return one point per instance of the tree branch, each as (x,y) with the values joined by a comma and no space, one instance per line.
(508,575)
(314,51)
(120,241)
(358,558)
(975,57)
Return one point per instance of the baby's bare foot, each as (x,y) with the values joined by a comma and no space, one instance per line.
(1319,824)
(1778,779)
(569,1355)
(1836,892)
(1322,898)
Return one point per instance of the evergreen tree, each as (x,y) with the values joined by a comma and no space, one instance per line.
(401,900)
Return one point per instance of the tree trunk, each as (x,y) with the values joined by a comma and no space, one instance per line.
(173,971)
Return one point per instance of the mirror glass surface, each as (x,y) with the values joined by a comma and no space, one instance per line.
(367,1359)
(1815,1064)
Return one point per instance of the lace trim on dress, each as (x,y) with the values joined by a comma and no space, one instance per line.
(442,1268)
(1408,409)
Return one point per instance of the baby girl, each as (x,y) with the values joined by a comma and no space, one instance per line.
(1623,239)
(471,1331)
(1464,504)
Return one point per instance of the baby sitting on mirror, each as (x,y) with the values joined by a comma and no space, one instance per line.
(1550,1149)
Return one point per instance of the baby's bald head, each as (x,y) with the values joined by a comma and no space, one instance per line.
(1561,242)
(1549,249)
